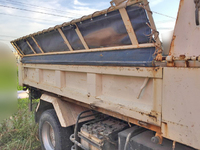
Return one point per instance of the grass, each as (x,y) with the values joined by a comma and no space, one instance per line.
(19,88)
(19,131)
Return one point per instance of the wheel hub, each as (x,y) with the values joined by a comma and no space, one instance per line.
(48,136)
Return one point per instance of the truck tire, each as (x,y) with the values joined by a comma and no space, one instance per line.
(51,134)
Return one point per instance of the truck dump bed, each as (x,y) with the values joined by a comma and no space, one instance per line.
(94,60)
(107,38)
(105,61)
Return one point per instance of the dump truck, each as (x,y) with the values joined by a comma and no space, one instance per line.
(106,82)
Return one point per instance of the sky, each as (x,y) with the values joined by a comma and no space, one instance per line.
(21,17)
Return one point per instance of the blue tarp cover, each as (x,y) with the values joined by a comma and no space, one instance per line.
(101,31)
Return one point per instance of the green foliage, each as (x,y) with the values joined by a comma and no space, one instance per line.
(19,88)
(19,132)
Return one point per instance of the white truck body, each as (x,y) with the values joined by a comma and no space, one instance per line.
(163,99)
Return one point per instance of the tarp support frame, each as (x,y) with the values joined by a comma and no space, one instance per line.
(17,49)
(81,37)
(37,44)
(99,49)
(151,20)
(65,39)
(30,46)
(128,25)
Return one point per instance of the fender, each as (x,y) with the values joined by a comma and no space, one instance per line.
(67,112)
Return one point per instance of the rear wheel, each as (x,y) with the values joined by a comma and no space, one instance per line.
(52,135)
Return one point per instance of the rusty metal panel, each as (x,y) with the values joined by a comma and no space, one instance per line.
(124,90)
(150,72)
(186,34)
(180,105)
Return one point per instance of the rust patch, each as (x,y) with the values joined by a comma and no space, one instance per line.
(117,115)
(156,69)
(170,64)
(165,128)
(182,57)
(150,115)
(159,57)
(172,46)
(181,4)
(186,63)
(171,51)
(181,125)
(153,115)
(141,113)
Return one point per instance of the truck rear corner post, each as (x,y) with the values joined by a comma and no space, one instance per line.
(104,84)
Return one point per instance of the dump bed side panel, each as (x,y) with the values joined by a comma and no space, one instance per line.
(130,91)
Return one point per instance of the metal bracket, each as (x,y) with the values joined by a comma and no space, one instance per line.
(142,87)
